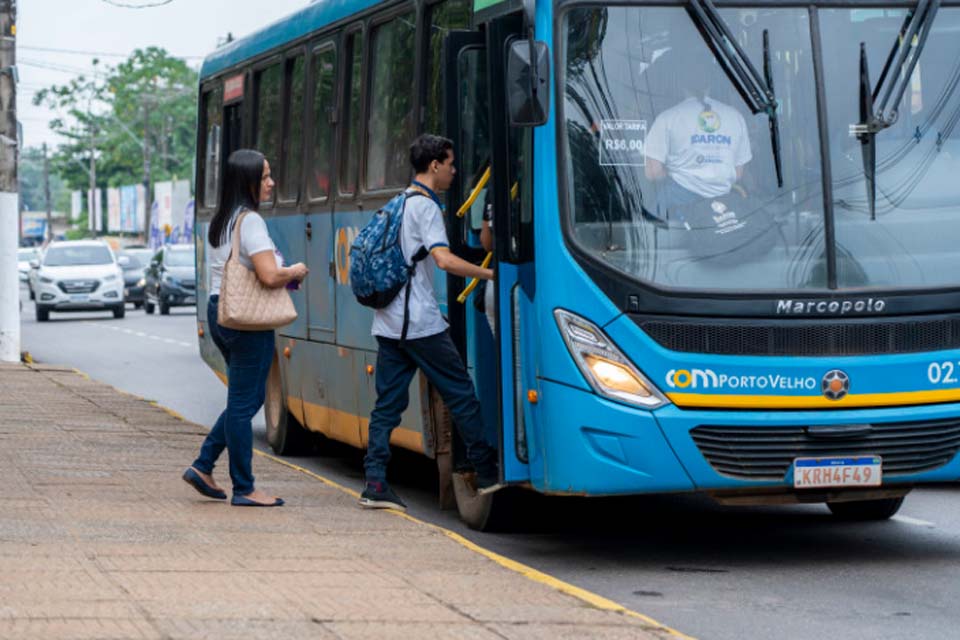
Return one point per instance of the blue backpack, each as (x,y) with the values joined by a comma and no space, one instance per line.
(378,270)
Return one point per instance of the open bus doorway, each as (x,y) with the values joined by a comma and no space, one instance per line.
(488,161)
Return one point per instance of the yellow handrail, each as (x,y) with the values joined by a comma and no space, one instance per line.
(473,283)
(475,193)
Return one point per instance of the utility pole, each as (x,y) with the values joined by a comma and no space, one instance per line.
(92,208)
(148,205)
(9,189)
(46,192)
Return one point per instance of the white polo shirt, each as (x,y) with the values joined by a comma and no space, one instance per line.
(701,143)
(422,227)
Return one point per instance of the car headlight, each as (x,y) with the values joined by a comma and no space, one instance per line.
(45,279)
(141,282)
(110,278)
(609,372)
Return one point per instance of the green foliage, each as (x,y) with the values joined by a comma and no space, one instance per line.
(32,187)
(149,98)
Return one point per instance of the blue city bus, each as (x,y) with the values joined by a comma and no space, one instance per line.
(724,254)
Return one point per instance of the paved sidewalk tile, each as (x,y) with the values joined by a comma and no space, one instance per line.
(100,539)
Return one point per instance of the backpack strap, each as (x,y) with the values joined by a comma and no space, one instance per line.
(420,255)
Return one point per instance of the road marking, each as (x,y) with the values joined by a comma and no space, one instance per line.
(914,521)
(593,599)
(140,334)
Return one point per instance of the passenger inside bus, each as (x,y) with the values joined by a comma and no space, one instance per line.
(696,152)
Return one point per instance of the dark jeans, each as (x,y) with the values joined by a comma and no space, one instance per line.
(439,360)
(249,355)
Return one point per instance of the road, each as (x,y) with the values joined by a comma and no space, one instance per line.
(712,572)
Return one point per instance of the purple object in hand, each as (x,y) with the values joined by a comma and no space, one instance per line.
(293,285)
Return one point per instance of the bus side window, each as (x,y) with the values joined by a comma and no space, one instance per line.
(324,110)
(391,124)
(212,127)
(350,158)
(267,131)
(293,138)
(444,16)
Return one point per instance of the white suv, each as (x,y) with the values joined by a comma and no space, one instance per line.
(80,275)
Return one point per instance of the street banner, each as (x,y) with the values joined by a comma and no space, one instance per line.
(128,209)
(142,203)
(189,217)
(163,197)
(95,210)
(180,197)
(76,205)
(113,210)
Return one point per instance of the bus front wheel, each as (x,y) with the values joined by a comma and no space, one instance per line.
(862,510)
(284,434)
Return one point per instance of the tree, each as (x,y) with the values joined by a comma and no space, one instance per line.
(148,100)
(32,186)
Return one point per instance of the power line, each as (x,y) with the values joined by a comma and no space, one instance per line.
(102,54)
(147,5)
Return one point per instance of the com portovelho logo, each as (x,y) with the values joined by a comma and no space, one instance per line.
(696,378)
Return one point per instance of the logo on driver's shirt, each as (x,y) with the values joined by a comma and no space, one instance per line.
(709,121)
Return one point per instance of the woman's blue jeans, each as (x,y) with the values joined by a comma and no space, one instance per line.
(249,355)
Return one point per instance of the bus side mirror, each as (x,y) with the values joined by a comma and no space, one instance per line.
(528,83)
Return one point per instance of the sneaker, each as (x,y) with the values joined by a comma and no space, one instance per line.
(379,495)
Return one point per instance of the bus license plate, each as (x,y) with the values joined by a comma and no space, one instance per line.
(862,471)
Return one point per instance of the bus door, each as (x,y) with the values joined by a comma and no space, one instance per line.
(477,123)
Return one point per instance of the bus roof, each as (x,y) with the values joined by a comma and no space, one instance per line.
(294,26)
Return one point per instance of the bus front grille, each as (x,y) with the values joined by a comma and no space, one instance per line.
(766,453)
(833,337)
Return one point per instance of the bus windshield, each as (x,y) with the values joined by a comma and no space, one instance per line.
(671,179)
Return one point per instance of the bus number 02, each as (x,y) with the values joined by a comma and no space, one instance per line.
(942,373)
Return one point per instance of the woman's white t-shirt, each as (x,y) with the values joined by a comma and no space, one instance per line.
(254,239)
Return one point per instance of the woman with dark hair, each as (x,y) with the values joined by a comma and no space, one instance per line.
(248,354)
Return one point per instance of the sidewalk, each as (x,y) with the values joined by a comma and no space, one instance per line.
(99,538)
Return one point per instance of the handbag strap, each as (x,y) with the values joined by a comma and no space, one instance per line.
(235,239)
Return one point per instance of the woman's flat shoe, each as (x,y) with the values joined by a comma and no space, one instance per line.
(192,478)
(244,501)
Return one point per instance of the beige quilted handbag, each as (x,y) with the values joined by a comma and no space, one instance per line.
(245,303)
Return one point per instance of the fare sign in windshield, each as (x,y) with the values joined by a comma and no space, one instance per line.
(621,142)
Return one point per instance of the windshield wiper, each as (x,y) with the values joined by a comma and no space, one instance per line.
(874,115)
(756,90)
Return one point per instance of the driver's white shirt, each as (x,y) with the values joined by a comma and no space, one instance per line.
(701,143)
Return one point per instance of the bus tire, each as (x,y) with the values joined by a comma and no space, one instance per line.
(284,434)
(442,434)
(488,512)
(866,510)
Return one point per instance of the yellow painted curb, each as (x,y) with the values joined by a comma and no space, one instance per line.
(594,600)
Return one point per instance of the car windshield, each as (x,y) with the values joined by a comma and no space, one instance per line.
(179,258)
(671,179)
(77,255)
(139,258)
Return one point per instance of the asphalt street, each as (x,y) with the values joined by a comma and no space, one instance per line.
(708,571)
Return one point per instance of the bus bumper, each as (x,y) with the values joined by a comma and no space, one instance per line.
(586,445)
(916,444)
(583,444)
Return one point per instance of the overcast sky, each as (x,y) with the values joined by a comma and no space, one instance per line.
(186,28)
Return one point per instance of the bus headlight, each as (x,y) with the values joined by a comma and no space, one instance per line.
(609,372)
